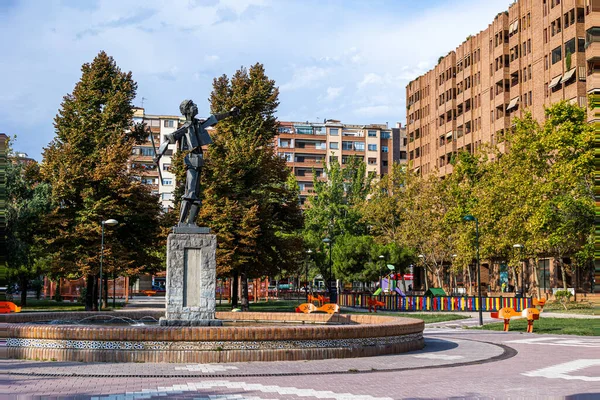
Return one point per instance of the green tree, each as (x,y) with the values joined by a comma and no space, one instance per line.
(335,212)
(86,166)
(248,197)
(28,201)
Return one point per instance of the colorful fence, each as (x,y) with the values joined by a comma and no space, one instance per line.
(395,302)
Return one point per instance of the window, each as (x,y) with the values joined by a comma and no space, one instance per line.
(545,62)
(580,15)
(372,161)
(372,147)
(384,149)
(284,129)
(288,157)
(556,55)
(346,145)
(386,134)
(168,123)
(581,45)
(592,35)
(147,151)
(166,167)
(570,47)
(372,133)
(284,143)
(384,163)
(304,130)
(334,145)
(166,196)
(334,131)
(403,155)
(333,159)
(359,146)
(167,182)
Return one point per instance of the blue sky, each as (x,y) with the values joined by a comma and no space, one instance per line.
(336,59)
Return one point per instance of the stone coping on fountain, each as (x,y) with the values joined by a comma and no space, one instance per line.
(309,336)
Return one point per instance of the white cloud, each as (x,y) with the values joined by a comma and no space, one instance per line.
(305,77)
(174,50)
(333,93)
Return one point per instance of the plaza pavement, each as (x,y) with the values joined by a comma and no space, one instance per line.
(456,363)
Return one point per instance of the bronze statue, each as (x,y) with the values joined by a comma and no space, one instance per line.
(192,136)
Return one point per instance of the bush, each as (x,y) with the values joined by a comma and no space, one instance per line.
(563,297)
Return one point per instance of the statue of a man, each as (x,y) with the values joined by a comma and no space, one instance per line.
(192,136)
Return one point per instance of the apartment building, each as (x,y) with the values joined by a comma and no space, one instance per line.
(141,161)
(307,145)
(537,53)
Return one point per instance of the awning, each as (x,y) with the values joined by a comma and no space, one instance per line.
(448,135)
(513,103)
(568,75)
(555,81)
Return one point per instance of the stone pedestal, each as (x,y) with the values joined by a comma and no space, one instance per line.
(191,280)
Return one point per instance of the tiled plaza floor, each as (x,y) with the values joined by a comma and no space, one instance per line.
(455,363)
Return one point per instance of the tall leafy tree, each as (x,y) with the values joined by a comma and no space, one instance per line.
(86,165)
(249,199)
(334,212)
(28,202)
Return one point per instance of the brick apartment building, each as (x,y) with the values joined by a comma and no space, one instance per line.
(141,160)
(306,145)
(537,53)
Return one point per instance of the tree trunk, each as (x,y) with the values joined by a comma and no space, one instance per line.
(57,295)
(536,281)
(234,290)
(23,285)
(470,280)
(425,272)
(439,279)
(562,272)
(105,290)
(245,305)
(91,294)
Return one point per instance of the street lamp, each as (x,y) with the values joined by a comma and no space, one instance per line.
(309,252)
(109,222)
(520,246)
(469,218)
(332,296)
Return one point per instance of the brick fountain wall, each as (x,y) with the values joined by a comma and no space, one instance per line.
(295,337)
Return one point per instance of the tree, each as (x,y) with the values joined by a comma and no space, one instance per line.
(334,212)
(86,166)
(248,197)
(28,201)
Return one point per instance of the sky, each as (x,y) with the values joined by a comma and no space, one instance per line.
(337,59)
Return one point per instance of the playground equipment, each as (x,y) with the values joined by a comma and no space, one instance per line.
(539,303)
(7,307)
(506,313)
(374,303)
(319,299)
(307,308)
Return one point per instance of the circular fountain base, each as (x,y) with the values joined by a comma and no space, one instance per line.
(273,337)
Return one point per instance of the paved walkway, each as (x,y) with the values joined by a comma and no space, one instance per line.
(455,363)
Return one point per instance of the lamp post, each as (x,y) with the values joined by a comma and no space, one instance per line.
(472,218)
(520,246)
(109,222)
(453,284)
(309,252)
(332,296)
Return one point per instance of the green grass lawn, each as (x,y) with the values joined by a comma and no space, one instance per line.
(290,306)
(559,326)
(573,308)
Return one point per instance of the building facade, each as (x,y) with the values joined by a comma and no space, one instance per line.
(537,53)
(141,160)
(307,145)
